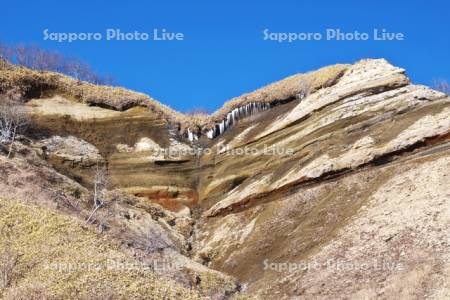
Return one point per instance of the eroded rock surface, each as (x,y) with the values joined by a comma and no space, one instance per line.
(366,185)
(343,193)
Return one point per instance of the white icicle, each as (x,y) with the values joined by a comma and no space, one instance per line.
(190,135)
(233,117)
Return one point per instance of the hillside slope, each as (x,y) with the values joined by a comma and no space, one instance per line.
(341,192)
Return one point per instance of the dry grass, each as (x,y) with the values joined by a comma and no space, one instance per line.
(45,198)
(286,88)
(34,84)
(60,257)
(38,83)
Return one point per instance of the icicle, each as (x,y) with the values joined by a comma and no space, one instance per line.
(233,117)
(190,135)
(221,127)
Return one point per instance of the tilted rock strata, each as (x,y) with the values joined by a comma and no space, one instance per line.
(340,128)
(356,170)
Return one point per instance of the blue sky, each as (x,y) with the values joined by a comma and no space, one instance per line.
(223,53)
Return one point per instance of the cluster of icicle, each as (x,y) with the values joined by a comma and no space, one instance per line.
(231,118)
(191,135)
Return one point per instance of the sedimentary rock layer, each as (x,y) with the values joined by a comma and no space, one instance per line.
(355,170)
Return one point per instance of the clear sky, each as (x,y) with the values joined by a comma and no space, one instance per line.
(224,53)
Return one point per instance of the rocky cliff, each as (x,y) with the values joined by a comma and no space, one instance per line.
(330,184)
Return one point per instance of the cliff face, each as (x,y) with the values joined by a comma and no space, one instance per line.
(358,209)
(133,143)
(341,192)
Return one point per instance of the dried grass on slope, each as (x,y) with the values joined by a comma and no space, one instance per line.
(286,88)
(43,238)
(35,84)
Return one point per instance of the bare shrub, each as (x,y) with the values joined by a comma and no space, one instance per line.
(157,240)
(442,86)
(13,119)
(304,88)
(36,58)
(9,261)
(197,111)
(5,52)
(63,200)
(101,182)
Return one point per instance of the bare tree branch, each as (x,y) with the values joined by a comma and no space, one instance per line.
(101,182)
(13,119)
(305,89)
(442,86)
(36,58)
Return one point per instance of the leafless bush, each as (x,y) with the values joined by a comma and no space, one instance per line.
(63,200)
(13,119)
(157,240)
(304,88)
(9,260)
(197,111)
(442,86)
(101,182)
(5,52)
(36,58)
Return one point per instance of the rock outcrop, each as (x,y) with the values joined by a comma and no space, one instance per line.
(358,206)
(339,192)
